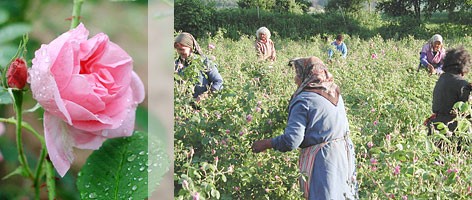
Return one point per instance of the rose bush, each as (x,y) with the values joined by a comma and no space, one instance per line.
(88,90)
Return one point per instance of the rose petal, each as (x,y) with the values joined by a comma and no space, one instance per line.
(58,143)
(137,87)
(80,91)
(86,140)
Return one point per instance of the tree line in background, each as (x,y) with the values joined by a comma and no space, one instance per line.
(296,19)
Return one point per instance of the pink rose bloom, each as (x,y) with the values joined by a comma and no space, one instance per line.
(396,171)
(211,46)
(88,90)
(370,144)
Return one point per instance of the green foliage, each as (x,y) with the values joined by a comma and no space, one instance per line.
(193,16)
(345,5)
(386,102)
(261,4)
(121,168)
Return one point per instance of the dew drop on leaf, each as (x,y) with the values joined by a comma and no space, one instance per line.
(134,187)
(132,157)
(142,168)
(92,195)
(142,153)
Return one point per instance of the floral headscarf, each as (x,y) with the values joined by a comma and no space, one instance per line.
(315,77)
(188,40)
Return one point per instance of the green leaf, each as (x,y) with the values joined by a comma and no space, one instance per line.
(120,169)
(5,98)
(215,193)
(13,31)
(4,15)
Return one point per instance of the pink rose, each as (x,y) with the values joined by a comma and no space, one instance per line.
(88,90)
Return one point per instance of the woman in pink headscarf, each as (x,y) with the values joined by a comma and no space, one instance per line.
(432,55)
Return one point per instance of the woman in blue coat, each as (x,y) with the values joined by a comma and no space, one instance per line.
(318,125)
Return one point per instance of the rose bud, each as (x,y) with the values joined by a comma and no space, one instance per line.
(17,74)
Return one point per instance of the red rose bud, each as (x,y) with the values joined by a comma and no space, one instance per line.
(17,74)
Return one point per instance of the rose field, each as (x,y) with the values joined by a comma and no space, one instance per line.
(386,100)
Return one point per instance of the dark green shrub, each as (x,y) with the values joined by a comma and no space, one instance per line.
(193,16)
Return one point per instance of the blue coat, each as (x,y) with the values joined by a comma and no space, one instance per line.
(313,120)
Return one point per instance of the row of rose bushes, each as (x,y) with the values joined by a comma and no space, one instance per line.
(386,101)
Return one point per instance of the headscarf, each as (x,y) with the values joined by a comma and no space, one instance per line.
(263,30)
(188,40)
(314,77)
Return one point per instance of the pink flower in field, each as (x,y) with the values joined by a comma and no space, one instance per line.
(373,161)
(241,133)
(88,90)
(249,118)
(370,144)
(227,131)
(218,116)
(213,152)
(236,188)
(396,171)
(469,189)
(216,159)
(258,109)
(259,103)
(391,196)
(267,190)
(269,122)
(277,177)
(375,123)
(404,197)
(196,196)
(415,159)
(212,57)
(211,46)
(372,110)
(374,56)
(388,137)
(455,170)
(374,168)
